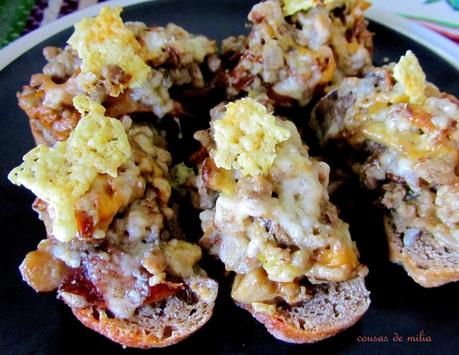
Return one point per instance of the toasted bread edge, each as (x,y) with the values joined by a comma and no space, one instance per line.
(426,277)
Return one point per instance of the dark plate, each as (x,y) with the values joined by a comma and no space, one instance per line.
(31,323)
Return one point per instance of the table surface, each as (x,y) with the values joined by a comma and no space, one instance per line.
(18,17)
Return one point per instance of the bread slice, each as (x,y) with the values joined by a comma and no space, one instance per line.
(333,308)
(425,260)
(160,324)
(155,325)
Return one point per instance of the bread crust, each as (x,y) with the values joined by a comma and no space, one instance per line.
(282,330)
(427,276)
(135,333)
(283,327)
(165,328)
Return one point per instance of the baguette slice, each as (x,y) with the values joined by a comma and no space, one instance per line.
(334,308)
(425,260)
(107,283)
(300,288)
(160,324)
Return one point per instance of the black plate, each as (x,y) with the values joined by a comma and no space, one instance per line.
(31,323)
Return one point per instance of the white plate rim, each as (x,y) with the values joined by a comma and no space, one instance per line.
(438,44)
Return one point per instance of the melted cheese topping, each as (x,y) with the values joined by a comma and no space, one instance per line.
(104,40)
(295,179)
(293,6)
(160,41)
(246,138)
(413,145)
(415,160)
(63,173)
(181,257)
(284,206)
(410,75)
(398,116)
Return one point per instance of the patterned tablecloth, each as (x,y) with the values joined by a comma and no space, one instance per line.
(18,17)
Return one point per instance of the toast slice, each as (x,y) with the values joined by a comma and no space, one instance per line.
(160,324)
(268,218)
(375,122)
(428,262)
(114,251)
(333,308)
(125,270)
(186,62)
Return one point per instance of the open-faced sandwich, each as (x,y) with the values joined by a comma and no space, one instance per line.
(129,68)
(406,131)
(114,250)
(268,218)
(296,48)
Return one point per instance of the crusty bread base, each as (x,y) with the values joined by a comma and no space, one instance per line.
(334,308)
(157,325)
(426,261)
(160,324)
